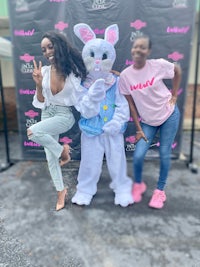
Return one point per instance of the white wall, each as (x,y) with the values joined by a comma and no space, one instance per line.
(7,73)
(191,77)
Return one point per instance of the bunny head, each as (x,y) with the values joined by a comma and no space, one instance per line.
(98,54)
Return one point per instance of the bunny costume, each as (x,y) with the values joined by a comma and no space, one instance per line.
(104,115)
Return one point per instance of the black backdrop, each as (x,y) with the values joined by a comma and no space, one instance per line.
(169,23)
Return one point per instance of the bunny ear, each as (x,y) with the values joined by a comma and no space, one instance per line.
(112,34)
(84,32)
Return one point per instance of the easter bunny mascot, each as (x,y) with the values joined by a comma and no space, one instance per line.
(102,133)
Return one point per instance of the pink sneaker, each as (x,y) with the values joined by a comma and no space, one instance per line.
(157,200)
(138,190)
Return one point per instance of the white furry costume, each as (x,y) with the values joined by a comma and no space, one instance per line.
(105,113)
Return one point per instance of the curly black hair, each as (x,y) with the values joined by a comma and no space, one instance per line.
(67,58)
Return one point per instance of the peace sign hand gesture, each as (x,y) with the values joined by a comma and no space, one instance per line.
(37,74)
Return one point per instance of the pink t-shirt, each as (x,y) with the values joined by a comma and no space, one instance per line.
(150,94)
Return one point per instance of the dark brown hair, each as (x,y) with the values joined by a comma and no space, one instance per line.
(67,58)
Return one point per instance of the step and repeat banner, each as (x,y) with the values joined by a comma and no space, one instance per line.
(169,24)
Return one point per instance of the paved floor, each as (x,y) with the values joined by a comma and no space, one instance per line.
(101,235)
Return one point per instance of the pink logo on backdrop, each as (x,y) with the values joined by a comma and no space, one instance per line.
(158,144)
(26,91)
(129,62)
(31,113)
(24,33)
(138,24)
(178,30)
(180,91)
(131,119)
(155,144)
(61,25)
(176,56)
(99,31)
(65,140)
(31,144)
(130,139)
(174,145)
(26,57)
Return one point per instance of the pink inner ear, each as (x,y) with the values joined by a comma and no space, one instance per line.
(111,37)
(86,35)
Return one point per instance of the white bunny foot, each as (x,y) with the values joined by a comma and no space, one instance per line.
(81,198)
(123,199)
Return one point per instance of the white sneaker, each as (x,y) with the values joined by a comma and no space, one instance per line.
(123,199)
(81,198)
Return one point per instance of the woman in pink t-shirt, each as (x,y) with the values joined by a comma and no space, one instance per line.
(150,100)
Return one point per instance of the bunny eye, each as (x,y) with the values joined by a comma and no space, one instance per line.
(104,56)
(92,54)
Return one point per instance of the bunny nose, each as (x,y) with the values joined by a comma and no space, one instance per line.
(97,61)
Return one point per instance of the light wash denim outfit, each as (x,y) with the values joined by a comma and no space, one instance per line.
(168,132)
(54,121)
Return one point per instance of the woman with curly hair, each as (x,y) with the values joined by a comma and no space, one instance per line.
(57,88)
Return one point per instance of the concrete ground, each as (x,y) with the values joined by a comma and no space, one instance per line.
(101,235)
